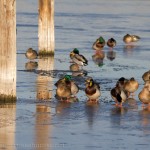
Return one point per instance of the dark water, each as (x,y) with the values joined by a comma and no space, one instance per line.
(51,125)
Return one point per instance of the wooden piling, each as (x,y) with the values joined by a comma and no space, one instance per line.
(46,27)
(7,51)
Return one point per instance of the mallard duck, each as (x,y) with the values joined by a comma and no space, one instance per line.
(99,43)
(146,76)
(111,43)
(92,90)
(130,38)
(118,95)
(78,58)
(131,86)
(144,96)
(69,85)
(31,54)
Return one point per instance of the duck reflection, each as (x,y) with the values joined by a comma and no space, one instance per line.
(132,103)
(111,55)
(45,83)
(98,57)
(31,65)
(145,119)
(43,127)
(91,109)
(77,71)
(7,126)
(116,113)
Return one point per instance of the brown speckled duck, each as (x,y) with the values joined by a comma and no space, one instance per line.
(131,86)
(99,44)
(31,54)
(146,76)
(130,38)
(111,43)
(144,96)
(92,90)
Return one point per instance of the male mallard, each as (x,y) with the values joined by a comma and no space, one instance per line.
(66,87)
(130,38)
(146,76)
(144,95)
(99,43)
(111,43)
(31,54)
(118,95)
(78,58)
(92,90)
(131,86)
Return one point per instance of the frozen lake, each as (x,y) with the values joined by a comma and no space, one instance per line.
(50,125)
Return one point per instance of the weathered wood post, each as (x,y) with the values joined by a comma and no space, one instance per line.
(46,27)
(7,50)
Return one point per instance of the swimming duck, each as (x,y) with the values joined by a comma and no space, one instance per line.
(144,96)
(130,38)
(92,90)
(111,43)
(131,86)
(146,76)
(99,43)
(78,58)
(31,54)
(118,95)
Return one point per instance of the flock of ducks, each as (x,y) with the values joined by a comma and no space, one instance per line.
(66,88)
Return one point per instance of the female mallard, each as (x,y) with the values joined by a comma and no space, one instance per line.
(99,43)
(131,86)
(31,54)
(144,96)
(118,95)
(92,90)
(78,58)
(130,38)
(111,43)
(146,76)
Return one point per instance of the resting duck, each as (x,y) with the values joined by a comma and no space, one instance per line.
(146,76)
(66,88)
(118,95)
(131,86)
(99,43)
(78,58)
(111,43)
(144,96)
(92,90)
(31,54)
(130,38)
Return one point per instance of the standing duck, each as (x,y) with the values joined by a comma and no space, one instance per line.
(31,54)
(99,43)
(92,90)
(144,96)
(131,86)
(130,38)
(111,43)
(146,76)
(78,58)
(118,95)
(66,88)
